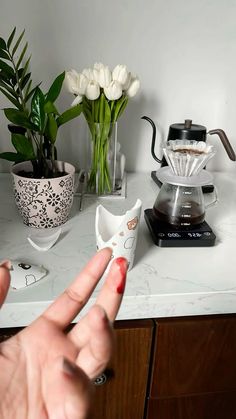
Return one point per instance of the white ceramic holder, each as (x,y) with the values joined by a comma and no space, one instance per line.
(24,274)
(119,232)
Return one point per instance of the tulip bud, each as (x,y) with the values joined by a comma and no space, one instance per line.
(77,100)
(71,81)
(98,66)
(88,72)
(120,74)
(82,83)
(92,90)
(134,87)
(128,81)
(104,76)
(113,91)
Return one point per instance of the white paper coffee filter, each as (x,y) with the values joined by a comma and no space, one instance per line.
(191,159)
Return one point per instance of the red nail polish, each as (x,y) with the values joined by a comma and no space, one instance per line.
(122,263)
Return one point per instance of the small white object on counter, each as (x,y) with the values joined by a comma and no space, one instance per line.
(44,239)
(23,274)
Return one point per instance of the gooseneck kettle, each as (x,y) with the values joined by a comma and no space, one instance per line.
(189,131)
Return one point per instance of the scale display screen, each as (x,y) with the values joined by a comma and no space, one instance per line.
(166,235)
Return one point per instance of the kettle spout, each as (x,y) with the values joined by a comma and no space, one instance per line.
(153,137)
(225,141)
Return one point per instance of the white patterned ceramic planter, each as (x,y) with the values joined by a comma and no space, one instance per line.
(119,232)
(44,203)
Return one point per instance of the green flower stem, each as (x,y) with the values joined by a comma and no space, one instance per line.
(100,178)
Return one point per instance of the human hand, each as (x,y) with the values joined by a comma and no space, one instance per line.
(46,372)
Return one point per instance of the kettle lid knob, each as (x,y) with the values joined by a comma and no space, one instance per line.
(188,123)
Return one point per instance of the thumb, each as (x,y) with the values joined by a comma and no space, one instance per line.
(67,391)
(4,280)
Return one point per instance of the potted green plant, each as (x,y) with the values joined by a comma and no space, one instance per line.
(43,185)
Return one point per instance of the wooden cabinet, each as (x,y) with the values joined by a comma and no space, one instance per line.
(194,369)
(120,392)
(178,368)
(123,395)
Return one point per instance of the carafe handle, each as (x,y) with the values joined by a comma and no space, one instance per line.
(215,200)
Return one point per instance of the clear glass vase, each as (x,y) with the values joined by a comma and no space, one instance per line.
(105,172)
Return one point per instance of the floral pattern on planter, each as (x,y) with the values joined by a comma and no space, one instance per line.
(44,203)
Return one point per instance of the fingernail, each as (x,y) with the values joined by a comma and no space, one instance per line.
(6,264)
(69,367)
(118,274)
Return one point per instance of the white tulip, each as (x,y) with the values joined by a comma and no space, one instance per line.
(98,66)
(120,74)
(88,72)
(93,90)
(104,76)
(72,81)
(96,75)
(128,81)
(113,91)
(134,87)
(77,100)
(82,83)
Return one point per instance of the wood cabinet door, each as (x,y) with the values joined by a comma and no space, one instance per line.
(122,392)
(194,355)
(194,369)
(205,406)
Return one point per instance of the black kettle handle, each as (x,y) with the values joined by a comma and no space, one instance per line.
(153,138)
(225,142)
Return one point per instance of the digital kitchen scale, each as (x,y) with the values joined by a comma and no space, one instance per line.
(166,235)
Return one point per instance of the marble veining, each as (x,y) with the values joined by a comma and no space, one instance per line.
(164,282)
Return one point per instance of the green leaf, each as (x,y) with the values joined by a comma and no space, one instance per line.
(22,71)
(10,39)
(102,107)
(24,81)
(23,146)
(51,129)
(6,68)
(119,107)
(3,44)
(55,88)
(4,54)
(10,156)
(20,118)
(18,42)
(37,109)
(49,107)
(6,86)
(96,110)
(107,113)
(31,92)
(69,115)
(11,98)
(22,55)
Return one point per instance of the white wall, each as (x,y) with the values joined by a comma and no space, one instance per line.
(183,51)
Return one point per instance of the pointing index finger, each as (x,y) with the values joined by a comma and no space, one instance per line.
(66,307)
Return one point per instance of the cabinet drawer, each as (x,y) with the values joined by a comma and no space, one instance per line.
(122,392)
(194,355)
(207,406)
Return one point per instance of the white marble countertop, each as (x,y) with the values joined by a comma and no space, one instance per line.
(164,282)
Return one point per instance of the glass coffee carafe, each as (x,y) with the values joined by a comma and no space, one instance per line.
(180,205)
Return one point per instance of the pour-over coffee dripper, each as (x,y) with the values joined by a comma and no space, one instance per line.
(180,201)
(179,210)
